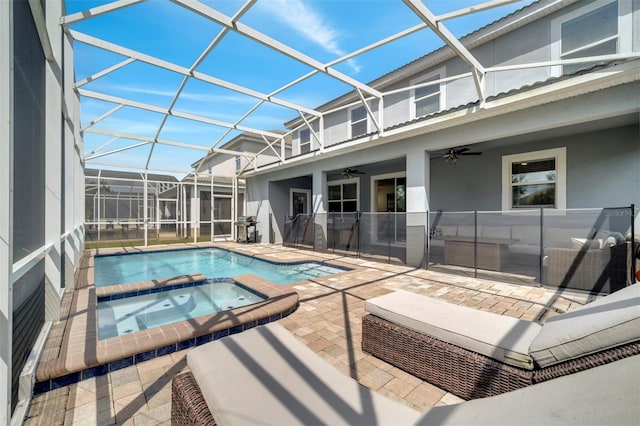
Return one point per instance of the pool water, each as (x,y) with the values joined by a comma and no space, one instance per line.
(211,262)
(131,314)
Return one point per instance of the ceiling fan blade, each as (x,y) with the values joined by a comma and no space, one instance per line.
(461,150)
(470,153)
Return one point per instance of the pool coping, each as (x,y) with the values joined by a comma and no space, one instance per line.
(73,351)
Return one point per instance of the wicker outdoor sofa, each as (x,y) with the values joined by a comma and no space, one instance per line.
(477,354)
(596,269)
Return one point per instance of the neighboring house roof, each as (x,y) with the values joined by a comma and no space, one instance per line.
(242,137)
(117,174)
(217,180)
(495,29)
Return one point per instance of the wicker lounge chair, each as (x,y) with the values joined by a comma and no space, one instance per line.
(476,354)
(242,383)
(265,375)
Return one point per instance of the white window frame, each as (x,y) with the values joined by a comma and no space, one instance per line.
(342,182)
(625,29)
(439,74)
(366,119)
(560,155)
(306,191)
(238,162)
(301,142)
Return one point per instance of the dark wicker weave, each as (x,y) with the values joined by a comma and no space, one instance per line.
(596,270)
(586,362)
(464,373)
(188,406)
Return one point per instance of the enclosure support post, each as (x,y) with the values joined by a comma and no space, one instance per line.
(157,213)
(541,256)
(212,218)
(633,244)
(98,209)
(475,244)
(388,236)
(145,203)
(195,210)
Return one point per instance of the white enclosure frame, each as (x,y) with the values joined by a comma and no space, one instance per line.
(275,142)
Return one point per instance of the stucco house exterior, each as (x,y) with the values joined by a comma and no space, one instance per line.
(550,131)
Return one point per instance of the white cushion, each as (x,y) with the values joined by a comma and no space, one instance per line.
(526,234)
(579,243)
(605,395)
(505,339)
(608,322)
(496,232)
(265,375)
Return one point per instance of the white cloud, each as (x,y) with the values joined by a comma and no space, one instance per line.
(185,95)
(310,24)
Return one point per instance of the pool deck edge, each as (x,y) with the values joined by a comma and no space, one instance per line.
(73,351)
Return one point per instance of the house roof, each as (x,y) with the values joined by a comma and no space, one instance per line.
(473,39)
(242,137)
(117,174)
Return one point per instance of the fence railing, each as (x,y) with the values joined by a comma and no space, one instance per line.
(586,249)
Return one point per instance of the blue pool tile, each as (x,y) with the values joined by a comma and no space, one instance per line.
(263,321)
(201,340)
(220,333)
(119,296)
(236,329)
(141,292)
(41,387)
(100,370)
(145,356)
(251,324)
(185,344)
(165,350)
(121,363)
(66,380)
(275,317)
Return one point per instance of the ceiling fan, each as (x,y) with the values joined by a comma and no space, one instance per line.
(450,155)
(348,173)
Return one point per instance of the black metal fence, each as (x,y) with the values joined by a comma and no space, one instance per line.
(586,249)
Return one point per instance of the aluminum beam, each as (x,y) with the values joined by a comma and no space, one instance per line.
(96,11)
(161,110)
(245,30)
(121,135)
(102,117)
(160,63)
(104,72)
(473,9)
(441,31)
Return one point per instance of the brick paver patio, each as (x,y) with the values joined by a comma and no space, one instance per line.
(328,320)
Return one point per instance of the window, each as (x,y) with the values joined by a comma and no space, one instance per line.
(598,29)
(343,196)
(358,121)
(533,184)
(305,141)
(428,99)
(238,162)
(533,180)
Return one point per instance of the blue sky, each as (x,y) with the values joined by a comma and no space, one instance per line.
(321,29)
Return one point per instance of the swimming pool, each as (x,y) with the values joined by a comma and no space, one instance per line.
(211,262)
(130,314)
